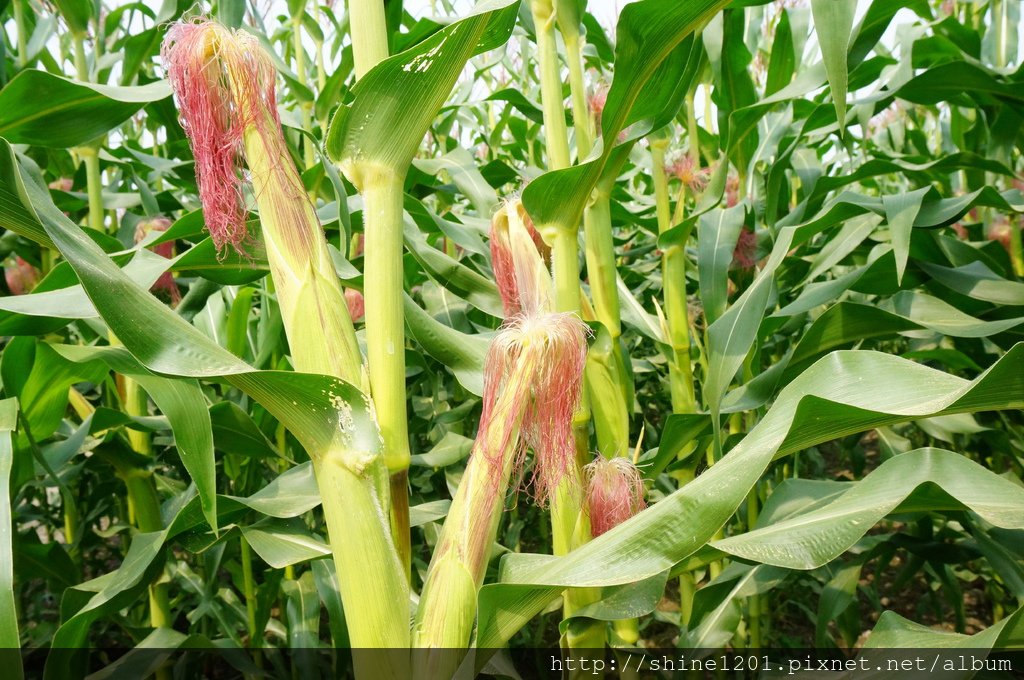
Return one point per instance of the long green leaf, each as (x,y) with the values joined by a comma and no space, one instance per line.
(831,399)
(9,637)
(812,539)
(41,108)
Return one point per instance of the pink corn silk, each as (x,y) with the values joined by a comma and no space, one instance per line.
(597,101)
(355,303)
(556,393)
(504,270)
(615,492)
(536,366)
(692,176)
(732,190)
(166,250)
(215,111)
(21,277)
(743,256)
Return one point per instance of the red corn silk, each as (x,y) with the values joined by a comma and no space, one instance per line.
(1001,230)
(355,303)
(615,492)
(744,256)
(551,350)
(165,284)
(224,83)
(732,190)
(21,277)
(693,177)
(504,270)
(596,102)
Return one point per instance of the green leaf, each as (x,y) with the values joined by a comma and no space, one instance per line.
(77,13)
(9,637)
(829,400)
(833,22)
(235,432)
(281,543)
(899,484)
(717,233)
(302,608)
(397,100)
(463,354)
(184,405)
(40,108)
(731,336)
(901,211)
(717,623)
(976,280)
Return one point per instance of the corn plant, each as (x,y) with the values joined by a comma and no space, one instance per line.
(442,328)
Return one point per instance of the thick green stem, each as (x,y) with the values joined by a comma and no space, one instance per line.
(94,186)
(1016,250)
(566,269)
(89,154)
(556,134)
(144,508)
(607,380)
(372,581)
(1001,21)
(385,335)
(22,35)
(353,484)
(582,123)
(376,599)
(600,255)
(692,136)
(249,590)
(369,34)
(673,271)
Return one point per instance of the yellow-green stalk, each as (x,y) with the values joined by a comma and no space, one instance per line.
(673,273)
(556,135)
(369,34)
(569,525)
(89,153)
(567,16)
(143,501)
(216,72)
(607,380)
(382,192)
(681,386)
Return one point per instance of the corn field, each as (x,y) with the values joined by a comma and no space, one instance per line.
(457,328)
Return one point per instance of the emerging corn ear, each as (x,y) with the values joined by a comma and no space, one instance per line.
(224,83)
(532,384)
(615,492)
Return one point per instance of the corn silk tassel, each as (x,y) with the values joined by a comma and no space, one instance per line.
(532,385)
(615,492)
(224,84)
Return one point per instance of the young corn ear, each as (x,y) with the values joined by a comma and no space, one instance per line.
(532,383)
(523,279)
(533,378)
(224,83)
(527,293)
(165,284)
(615,492)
